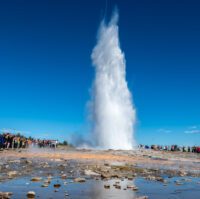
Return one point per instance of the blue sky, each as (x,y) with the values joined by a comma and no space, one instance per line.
(46,71)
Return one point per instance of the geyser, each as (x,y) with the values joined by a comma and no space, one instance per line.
(112,111)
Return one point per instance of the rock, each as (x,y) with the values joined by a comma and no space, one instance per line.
(91,173)
(135,188)
(130,186)
(57,185)
(48,181)
(182,173)
(130,178)
(105,175)
(45,185)
(6,166)
(64,176)
(36,179)
(12,174)
(160,179)
(79,180)
(107,186)
(49,177)
(110,175)
(28,162)
(117,186)
(142,197)
(149,177)
(5,195)
(31,194)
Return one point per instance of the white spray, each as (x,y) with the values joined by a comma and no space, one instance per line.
(112,110)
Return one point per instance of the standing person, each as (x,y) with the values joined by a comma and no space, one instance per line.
(8,141)
(18,142)
(56,144)
(15,142)
(21,142)
(2,140)
(12,141)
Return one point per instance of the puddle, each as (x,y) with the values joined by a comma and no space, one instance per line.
(94,189)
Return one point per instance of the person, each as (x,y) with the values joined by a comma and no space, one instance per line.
(2,140)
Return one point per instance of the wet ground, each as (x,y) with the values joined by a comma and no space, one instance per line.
(188,188)
(99,174)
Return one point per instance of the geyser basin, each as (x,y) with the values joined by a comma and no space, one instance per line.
(112,109)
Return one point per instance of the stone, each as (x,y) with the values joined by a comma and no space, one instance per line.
(105,175)
(12,174)
(135,188)
(36,179)
(47,181)
(79,180)
(149,177)
(31,194)
(117,186)
(130,178)
(130,186)
(5,195)
(107,186)
(28,162)
(182,173)
(91,173)
(160,179)
(64,176)
(57,185)
(142,197)
(45,185)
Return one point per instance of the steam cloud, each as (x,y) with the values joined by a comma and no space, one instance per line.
(113,115)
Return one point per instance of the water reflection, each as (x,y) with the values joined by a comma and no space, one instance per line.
(94,189)
(117,189)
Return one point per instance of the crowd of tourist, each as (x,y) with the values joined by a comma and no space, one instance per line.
(17,141)
(193,149)
(8,140)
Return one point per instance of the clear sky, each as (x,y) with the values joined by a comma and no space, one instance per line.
(46,72)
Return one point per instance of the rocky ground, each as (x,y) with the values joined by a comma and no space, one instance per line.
(81,165)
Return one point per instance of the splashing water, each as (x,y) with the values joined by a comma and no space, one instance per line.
(112,110)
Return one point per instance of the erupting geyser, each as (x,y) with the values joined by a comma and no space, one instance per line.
(112,110)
